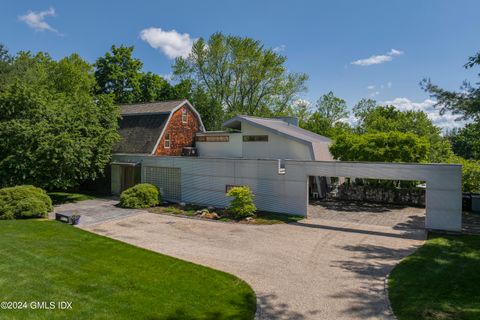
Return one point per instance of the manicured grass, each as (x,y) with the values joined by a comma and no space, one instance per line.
(44,260)
(441,280)
(68,197)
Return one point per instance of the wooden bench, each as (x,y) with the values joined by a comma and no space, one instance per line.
(67,217)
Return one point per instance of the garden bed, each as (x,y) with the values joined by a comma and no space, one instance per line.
(220,214)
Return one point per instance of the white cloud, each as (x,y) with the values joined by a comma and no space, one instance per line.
(280,48)
(36,20)
(351,120)
(378,59)
(374,94)
(446,121)
(389,84)
(298,102)
(394,52)
(371,87)
(171,43)
(167,76)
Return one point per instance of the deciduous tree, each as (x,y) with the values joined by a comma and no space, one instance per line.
(54,131)
(240,75)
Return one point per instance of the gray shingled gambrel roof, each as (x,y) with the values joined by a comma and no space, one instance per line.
(150,107)
(139,134)
(318,144)
(143,124)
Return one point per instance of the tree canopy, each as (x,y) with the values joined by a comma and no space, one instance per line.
(465,102)
(381,146)
(466,141)
(119,73)
(326,116)
(240,75)
(55,132)
(390,119)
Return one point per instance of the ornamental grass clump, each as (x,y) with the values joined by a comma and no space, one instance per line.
(142,195)
(241,205)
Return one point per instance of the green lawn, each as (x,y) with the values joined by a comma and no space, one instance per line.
(105,279)
(441,280)
(68,197)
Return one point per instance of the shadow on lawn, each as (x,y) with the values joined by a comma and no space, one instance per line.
(372,263)
(245,306)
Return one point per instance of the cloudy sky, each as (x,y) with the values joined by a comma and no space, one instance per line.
(370,48)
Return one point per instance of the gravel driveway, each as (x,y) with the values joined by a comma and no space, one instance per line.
(315,269)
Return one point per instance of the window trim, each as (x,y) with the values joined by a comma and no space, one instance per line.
(167,141)
(214,138)
(184,115)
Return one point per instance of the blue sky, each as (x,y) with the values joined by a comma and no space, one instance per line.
(379,49)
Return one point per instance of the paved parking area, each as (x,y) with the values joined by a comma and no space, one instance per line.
(96,210)
(388,215)
(315,269)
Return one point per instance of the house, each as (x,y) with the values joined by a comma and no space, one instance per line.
(167,128)
(279,161)
(160,128)
(263,138)
(268,138)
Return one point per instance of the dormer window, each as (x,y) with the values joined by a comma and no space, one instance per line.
(184,115)
(167,140)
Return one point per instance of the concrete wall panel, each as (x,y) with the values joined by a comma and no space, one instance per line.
(204,181)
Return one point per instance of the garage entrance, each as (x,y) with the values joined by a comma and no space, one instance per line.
(389,203)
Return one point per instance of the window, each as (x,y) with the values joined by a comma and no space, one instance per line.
(167,140)
(184,115)
(254,138)
(218,138)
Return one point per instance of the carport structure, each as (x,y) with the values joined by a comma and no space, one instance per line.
(443,184)
(285,188)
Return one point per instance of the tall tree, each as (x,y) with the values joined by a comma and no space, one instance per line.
(240,75)
(119,73)
(325,120)
(362,109)
(381,146)
(153,87)
(466,141)
(54,131)
(465,103)
(389,119)
(331,107)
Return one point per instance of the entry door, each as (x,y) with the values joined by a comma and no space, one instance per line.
(130,176)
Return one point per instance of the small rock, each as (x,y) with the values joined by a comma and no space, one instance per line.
(249,219)
(209,215)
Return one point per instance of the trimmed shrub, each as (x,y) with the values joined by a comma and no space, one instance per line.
(24,202)
(242,203)
(143,195)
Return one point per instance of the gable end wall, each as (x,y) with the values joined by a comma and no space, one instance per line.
(181,134)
